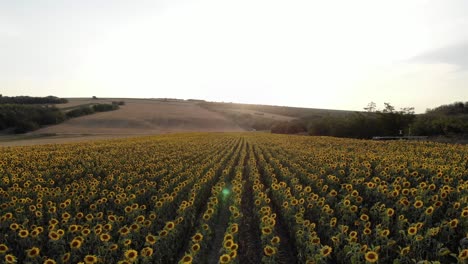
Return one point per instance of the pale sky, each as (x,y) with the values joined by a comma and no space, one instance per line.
(319,54)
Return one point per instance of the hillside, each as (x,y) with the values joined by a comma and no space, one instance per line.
(140,116)
(136,117)
(158,116)
(264,117)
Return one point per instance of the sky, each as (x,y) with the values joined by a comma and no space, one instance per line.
(319,54)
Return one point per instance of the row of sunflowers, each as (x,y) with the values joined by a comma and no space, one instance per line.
(233,197)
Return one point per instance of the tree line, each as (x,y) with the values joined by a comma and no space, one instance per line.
(445,120)
(27,114)
(32,100)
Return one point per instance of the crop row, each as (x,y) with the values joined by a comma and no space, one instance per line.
(234,198)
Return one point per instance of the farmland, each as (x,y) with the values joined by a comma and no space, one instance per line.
(234,198)
(141,117)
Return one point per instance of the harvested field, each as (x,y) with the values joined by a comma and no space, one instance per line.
(136,117)
(140,116)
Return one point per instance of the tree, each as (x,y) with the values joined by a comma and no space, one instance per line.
(371,107)
(388,108)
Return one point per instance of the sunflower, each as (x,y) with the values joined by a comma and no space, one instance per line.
(89,217)
(66,257)
(453,223)
(385,233)
(418,204)
(90,259)
(3,248)
(195,247)
(114,247)
(187,259)
(124,231)
(429,210)
(275,240)
(14,226)
(335,239)
(146,252)
(371,256)
(325,251)
(150,239)
(228,237)
(234,228)
(140,218)
(228,243)
(405,250)
(10,259)
(127,242)
(33,252)
(463,254)
(464,213)
(85,231)
(367,231)
(269,251)
(233,254)
(75,243)
(131,255)
(54,236)
(412,231)
(315,240)
(225,258)
(23,233)
(364,217)
(134,227)
(108,227)
(266,230)
(169,225)
(390,212)
(234,247)
(105,237)
(73,228)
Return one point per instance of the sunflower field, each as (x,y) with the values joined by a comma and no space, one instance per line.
(234,198)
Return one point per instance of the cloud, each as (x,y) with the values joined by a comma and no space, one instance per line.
(454,54)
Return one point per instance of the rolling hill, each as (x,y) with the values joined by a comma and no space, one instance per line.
(158,116)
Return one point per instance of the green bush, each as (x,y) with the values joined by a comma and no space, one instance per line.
(105,107)
(23,118)
(81,111)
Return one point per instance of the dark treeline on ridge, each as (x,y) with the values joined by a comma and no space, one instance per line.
(22,114)
(445,120)
(32,100)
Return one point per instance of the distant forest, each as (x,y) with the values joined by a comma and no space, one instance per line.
(22,114)
(446,120)
(32,100)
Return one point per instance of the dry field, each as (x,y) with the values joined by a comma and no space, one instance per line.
(262,114)
(136,117)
